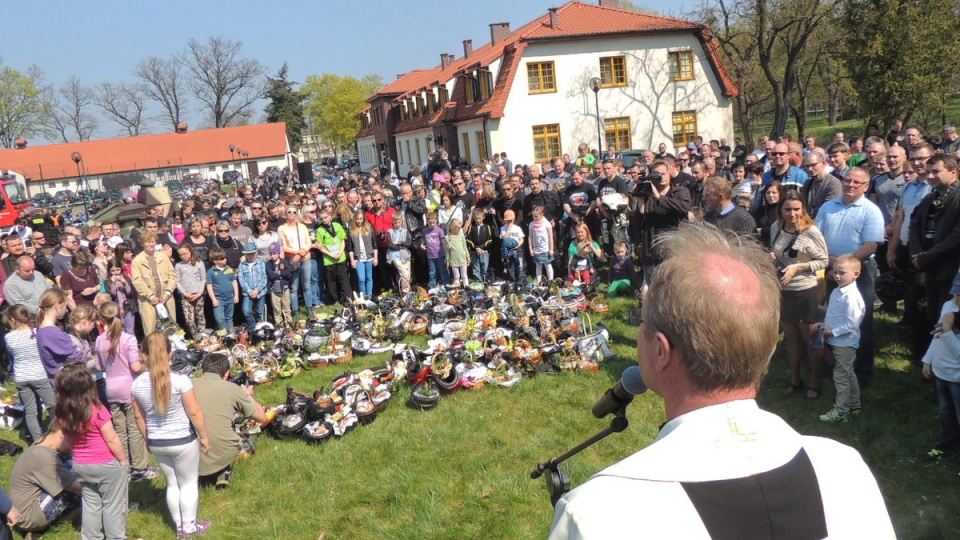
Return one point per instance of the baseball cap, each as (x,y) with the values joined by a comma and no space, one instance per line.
(437,177)
(114,241)
(249,247)
(509,214)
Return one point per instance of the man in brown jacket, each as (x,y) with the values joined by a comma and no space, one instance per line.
(155,280)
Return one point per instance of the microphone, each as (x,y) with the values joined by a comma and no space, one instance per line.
(621,394)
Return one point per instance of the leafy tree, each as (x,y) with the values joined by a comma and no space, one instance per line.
(772,34)
(226,84)
(334,102)
(22,104)
(901,54)
(286,105)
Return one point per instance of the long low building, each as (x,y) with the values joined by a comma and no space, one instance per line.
(579,74)
(113,163)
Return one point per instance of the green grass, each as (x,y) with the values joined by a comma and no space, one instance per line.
(818,127)
(462,470)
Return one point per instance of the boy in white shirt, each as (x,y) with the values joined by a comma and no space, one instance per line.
(842,328)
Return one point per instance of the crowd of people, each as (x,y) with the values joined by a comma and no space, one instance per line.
(93,297)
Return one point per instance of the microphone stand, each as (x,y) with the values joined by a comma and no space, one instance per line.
(558,481)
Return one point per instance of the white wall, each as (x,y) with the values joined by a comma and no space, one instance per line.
(405,162)
(367,153)
(649,98)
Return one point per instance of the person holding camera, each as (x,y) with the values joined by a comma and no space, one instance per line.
(661,206)
(714,468)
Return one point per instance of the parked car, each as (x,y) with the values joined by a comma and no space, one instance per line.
(42,200)
(231,177)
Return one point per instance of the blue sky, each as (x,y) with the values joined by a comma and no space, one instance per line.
(102,41)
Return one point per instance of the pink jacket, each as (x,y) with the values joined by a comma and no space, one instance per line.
(119,375)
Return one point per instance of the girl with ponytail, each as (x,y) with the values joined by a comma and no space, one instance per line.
(53,343)
(118,356)
(34,388)
(169,418)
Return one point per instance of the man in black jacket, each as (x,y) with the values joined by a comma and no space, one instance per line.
(414,208)
(935,232)
(663,209)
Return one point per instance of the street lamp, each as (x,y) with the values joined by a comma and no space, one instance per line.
(78,159)
(232,148)
(595,86)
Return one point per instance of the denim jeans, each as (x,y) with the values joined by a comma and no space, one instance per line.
(848,391)
(514,268)
(104,487)
(948,395)
(36,396)
(316,284)
(480,266)
(223,314)
(365,277)
(438,269)
(253,308)
(303,280)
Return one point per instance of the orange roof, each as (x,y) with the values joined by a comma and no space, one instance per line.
(575,20)
(130,154)
(413,80)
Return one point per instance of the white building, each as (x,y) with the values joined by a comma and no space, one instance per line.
(528,92)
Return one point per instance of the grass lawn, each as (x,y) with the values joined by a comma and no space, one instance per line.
(462,470)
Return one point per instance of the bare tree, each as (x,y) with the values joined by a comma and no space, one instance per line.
(68,115)
(124,104)
(226,84)
(164,83)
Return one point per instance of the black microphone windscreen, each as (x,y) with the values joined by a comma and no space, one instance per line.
(632,381)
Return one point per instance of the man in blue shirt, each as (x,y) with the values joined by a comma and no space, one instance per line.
(790,177)
(854,224)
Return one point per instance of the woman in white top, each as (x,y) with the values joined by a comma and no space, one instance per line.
(448,212)
(33,386)
(170,420)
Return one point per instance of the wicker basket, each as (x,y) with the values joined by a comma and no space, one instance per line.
(524,349)
(346,355)
(599,305)
(418,325)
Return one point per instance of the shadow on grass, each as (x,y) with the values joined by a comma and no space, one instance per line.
(898,424)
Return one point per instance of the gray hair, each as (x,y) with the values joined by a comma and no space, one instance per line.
(717,299)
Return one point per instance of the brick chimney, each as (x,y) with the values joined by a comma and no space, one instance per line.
(467,47)
(554,18)
(445,60)
(498,31)
(615,4)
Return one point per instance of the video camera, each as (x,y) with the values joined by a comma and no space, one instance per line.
(644,187)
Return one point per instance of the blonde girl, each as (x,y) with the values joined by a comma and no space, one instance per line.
(118,356)
(458,257)
(166,407)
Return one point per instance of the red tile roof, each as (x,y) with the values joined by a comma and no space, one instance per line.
(51,162)
(575,20)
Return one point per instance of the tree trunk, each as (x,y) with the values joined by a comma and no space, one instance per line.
(743,118)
